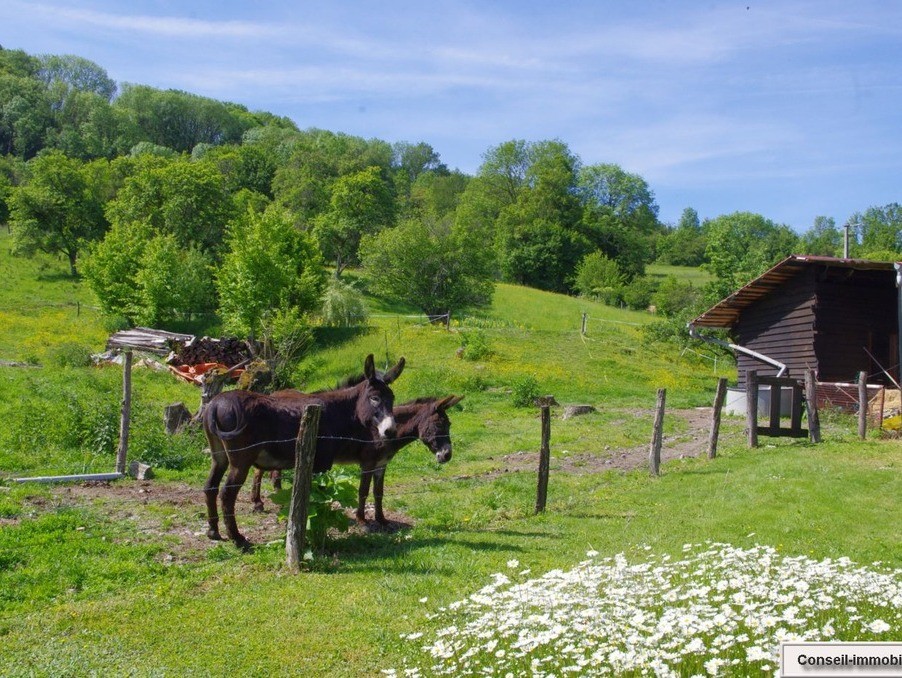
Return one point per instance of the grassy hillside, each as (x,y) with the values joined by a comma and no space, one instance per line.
(696,276)
(119,579)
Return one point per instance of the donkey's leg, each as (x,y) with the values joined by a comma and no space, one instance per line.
(276,477)
(363,492)
(228,496)
(211,490)
(378,487)
(255,490)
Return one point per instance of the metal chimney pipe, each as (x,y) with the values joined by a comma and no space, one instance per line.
(845,247)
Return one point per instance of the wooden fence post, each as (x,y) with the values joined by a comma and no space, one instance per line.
(654,452)
(751,397)
(126,413)
(585,318)
(814,422)
(296,534)
(862,405)
(544,460)
(719,398)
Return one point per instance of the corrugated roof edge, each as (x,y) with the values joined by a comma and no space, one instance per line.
(725,313)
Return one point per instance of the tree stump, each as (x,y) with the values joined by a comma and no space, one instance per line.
(577,410)
(257,376)
(176,417)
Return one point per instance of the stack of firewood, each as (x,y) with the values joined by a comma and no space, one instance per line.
(228,351)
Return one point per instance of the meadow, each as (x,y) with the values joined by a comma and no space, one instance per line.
(118,578)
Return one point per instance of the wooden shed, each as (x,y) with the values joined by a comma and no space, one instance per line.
(838,317)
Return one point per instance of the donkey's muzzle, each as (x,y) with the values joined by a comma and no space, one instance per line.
(387,428)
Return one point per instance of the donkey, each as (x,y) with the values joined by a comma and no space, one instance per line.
(246,429)
(424,419)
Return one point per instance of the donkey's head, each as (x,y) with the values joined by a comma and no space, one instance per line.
(434,428)
(375,399)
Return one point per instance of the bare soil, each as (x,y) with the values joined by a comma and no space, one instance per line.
(691,442)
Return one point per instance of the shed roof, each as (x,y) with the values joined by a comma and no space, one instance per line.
(727,311)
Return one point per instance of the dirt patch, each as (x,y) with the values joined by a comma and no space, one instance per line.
(175,513)
(690,442)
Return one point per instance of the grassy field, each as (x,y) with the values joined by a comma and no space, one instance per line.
(696,276)
(119,579)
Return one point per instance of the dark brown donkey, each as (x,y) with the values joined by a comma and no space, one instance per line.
(246,429)
(424,419)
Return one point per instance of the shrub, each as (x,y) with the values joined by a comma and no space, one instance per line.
(672,296)
(287,336)
(598,277)
(474,344)
(270,265)
(343,305)
(525,390)
(638,294)
(329,491)
(70,354)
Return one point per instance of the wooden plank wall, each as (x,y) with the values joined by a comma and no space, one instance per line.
(781,326)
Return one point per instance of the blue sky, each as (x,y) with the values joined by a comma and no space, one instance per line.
(789,109)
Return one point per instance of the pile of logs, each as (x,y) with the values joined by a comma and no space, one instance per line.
(228,351)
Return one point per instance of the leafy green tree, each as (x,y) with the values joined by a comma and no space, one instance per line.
(112,265)
(822,239)
(11,170)
(24,115)
(57,210)
(684,245)
(85,125)
(148,278)
(186,199)
(504,170)
(628,247)
(626,195)
(270,266)
(76,73)
(879,229)
(315,159)
(538,239)
(361,203)
(433,266)
(673,296)
(244,167)
(621,215)
(180,120)
(19,63)
(437,195)
(417,159)
(173,282)
(598,277)
(743,245)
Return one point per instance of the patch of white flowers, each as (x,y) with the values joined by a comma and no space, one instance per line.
(720,610)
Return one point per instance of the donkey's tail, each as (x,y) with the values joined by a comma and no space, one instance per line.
(224,417)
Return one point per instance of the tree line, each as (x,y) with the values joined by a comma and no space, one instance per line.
(172,204)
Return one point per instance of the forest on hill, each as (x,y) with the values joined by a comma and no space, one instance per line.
(174,207)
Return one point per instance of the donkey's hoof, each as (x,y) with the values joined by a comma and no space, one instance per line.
(258,508)
(214,535)
(243,544)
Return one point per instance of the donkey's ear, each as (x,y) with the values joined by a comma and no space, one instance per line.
(394,372)
(369,367)
(449,402)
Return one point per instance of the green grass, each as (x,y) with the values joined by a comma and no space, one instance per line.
(121,580)
(691,274)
